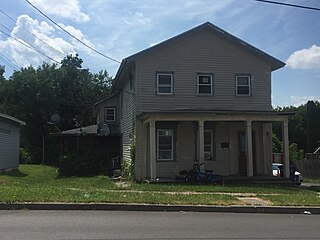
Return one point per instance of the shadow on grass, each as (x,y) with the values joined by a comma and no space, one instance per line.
(314,188)
(14,173)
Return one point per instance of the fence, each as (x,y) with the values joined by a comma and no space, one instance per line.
(309,167)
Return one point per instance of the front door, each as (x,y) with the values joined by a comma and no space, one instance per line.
(242,153)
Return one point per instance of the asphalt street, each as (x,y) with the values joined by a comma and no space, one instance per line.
(25,224)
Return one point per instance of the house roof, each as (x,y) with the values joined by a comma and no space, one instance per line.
(105,99)
(11,119)
(275,63)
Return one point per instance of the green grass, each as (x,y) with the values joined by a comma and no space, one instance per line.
(311,180)
(36,183)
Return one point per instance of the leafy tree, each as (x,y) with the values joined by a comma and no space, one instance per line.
(276,144)
(304,125)
(33,95)
(295,153)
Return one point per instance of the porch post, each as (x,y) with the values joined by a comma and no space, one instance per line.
(152,146)
(249,150)
(285,137)
(201,141)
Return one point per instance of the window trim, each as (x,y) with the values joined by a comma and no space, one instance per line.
(172,144)
(164,85)
(249,85)
(198,84)
(114,114)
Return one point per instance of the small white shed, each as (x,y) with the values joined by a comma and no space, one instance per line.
(9,142)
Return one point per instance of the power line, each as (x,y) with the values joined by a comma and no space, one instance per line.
(58,51)
(10,63)
(26,45)
(288,4)
(112,59)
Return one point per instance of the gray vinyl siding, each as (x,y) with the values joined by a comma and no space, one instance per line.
(204,52)
(9,145)
(127,119)
(111,102)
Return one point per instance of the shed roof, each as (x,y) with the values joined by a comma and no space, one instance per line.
(11,119)
(91,130)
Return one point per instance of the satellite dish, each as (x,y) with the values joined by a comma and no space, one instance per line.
(78,120)
(103,130)
(55,119)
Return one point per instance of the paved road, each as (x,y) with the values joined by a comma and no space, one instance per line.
(100,225)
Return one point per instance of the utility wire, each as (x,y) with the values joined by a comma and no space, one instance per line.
(112,59)
(11,64)
(28,46)
(58,51)
(288,4)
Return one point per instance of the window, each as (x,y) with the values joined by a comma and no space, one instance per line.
(208,146)
(110,114)
(165,144)
(243,85)
(205,84)
(164,83)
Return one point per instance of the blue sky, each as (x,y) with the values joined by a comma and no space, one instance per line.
(120,28)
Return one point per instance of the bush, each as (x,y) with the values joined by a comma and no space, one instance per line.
(295,153)
(24,156)
(79,164)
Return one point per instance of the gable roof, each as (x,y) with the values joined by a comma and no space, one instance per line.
(11,119)
(275,63)
(105,99)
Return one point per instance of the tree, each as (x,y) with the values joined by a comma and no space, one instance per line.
(312,122)
(304,125)
(33,95)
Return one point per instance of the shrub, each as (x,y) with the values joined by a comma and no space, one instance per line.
(24,156)
(79,164)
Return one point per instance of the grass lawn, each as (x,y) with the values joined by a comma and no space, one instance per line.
(36,183)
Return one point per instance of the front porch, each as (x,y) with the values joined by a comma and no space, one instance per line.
(240,143)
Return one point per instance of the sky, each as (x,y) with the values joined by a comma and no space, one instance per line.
(120,28)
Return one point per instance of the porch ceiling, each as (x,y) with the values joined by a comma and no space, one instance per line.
(207,115)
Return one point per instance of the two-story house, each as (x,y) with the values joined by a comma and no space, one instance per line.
(203,92)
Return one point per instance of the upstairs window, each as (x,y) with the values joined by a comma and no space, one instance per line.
(243,85)
(164,83)
(110,114)
(204,84)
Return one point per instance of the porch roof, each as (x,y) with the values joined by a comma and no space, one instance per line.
(214,115)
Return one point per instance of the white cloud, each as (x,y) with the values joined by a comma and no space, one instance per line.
(69,9)
(79,35)
(299,100)
(42,38)
(305,58)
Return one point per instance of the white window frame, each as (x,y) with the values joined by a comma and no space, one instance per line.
(158,145)
(211,144)
(242,85)
(165,85)
(114,114)
(202,84)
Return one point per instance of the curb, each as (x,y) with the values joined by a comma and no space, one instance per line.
(156,207)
